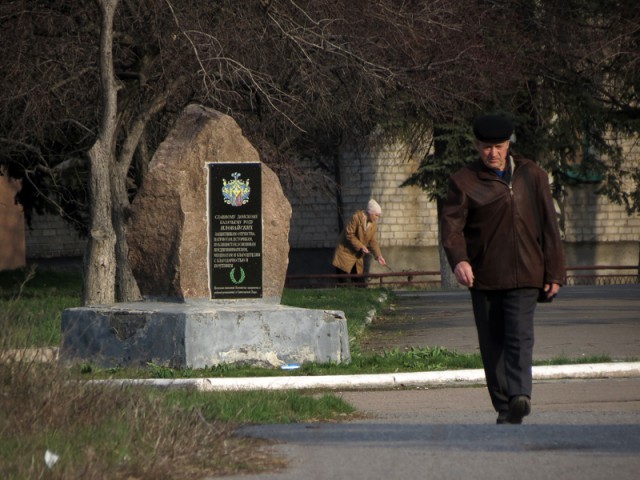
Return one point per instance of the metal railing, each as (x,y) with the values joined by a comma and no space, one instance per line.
(603,275)
(423,279)
(584,275)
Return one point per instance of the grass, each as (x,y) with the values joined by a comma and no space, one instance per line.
(255,407)
(410,360)
(123,432)
(33,302)
(103,431)
(107,432)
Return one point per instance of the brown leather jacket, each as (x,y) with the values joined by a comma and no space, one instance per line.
(355,236)
(508,232)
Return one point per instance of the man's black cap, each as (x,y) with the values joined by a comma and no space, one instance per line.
(492,128)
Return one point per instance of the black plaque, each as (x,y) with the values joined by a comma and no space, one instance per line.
(235,230)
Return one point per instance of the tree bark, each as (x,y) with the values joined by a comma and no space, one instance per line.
(100,265)
(126,287)
(100,261)
(447,278)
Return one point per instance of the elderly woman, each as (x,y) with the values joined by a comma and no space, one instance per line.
(357,240)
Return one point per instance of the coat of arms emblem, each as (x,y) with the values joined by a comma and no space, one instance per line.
(236,191)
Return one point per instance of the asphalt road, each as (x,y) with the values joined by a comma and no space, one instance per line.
(582,430)
(578,429)
(581,321)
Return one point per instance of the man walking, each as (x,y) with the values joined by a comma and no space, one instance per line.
(501,237)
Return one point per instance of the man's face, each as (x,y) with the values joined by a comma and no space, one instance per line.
(493,155)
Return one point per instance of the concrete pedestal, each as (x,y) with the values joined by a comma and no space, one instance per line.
(198,334)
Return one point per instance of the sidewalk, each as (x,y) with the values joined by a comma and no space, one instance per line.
(578,430)
(581,321)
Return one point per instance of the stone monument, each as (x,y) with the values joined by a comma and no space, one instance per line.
(208,238)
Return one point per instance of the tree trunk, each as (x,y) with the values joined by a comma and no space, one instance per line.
(447,278)
(126,288)
(339,199)
(99,265)
(100,261)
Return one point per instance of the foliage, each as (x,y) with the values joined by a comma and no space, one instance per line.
(573,94)
(452,149)
(304,79)
(300,78)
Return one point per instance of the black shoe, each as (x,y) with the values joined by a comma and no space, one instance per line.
(502,417)
(519,407)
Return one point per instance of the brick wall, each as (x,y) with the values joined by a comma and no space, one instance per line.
(51,237)
(314,220)
(408,218)
(596,231)
(590,217)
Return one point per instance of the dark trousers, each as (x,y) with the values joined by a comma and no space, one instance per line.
(360,281)
(504,320)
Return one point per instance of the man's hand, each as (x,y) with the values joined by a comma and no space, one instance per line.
(551,289)
(464,273)
(381,260)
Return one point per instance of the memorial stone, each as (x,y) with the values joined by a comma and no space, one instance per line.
(168,231)
(208,238)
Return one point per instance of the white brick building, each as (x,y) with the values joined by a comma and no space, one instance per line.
(596,231)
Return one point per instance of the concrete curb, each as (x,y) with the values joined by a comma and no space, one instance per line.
(382,381)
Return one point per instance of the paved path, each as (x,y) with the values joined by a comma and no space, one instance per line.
(582,430)
(579,429)
(581,321)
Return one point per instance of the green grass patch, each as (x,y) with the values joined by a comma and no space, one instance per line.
(259,407)
(563,360)
(32,303)
(356,303)
(410,360)
(109,432)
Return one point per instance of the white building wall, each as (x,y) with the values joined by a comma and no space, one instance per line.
(408,218)
(51,237)
(596,230)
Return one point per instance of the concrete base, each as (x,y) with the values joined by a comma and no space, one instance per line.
(199,334)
